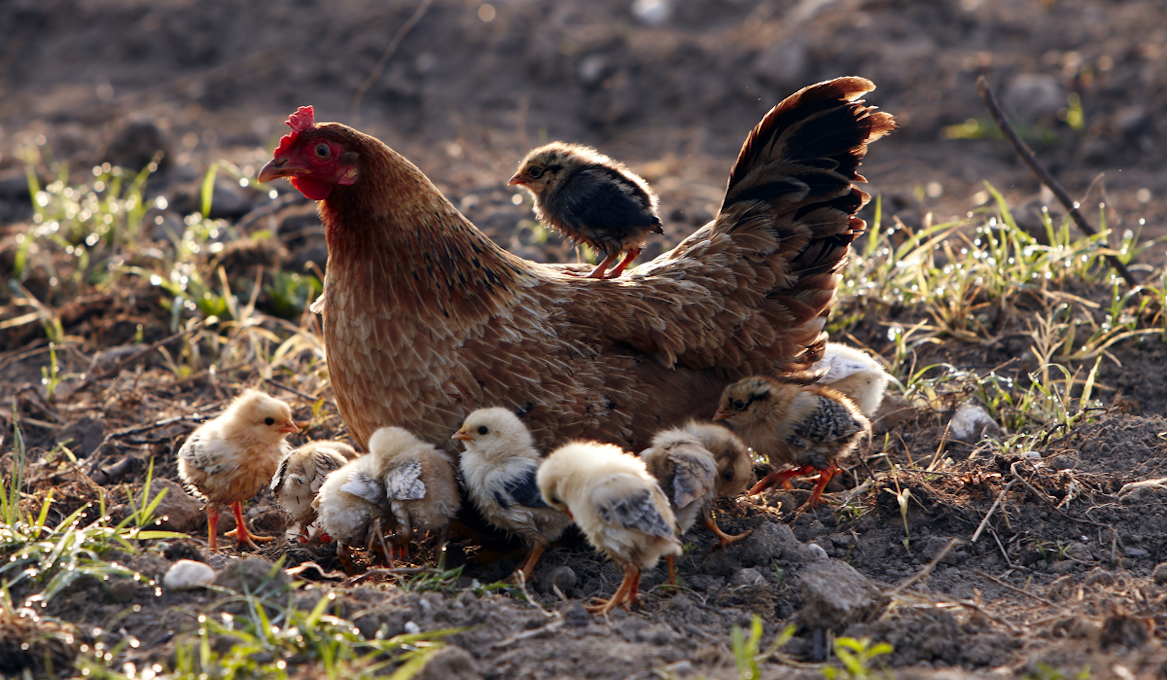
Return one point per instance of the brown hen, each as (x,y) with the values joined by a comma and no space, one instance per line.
(426,319)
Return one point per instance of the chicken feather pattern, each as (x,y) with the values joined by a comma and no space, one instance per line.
(403,483)
(426,319)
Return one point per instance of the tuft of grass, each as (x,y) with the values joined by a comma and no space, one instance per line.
(747,647)
(857,656)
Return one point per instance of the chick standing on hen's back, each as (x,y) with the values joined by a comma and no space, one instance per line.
(792,423)
(426,319)
(229,459)
(617,504)
(300,476)
(589,197)
(498,468)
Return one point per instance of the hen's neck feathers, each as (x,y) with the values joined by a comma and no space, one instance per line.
(394,232)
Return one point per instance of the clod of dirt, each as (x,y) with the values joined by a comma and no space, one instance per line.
(81,436)
(135,144)
(1160,573)
(450,663)
(250,575)
(833,594)
(971,423)
(28,642)
(187,575)
(772,541)
(1124,630)
(178,510)
(562,577)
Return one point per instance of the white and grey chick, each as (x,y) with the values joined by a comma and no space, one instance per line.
(498,469)
(300,476)
(419,484)
(352,506)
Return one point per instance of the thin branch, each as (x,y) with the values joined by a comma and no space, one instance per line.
(985,521)
(125,361)
(389,50)
(1027,157)
(97,455)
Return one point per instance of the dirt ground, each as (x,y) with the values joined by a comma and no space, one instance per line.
(1065,575)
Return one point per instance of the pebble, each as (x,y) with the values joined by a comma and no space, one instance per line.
(1160,573)
(412,628)
(833,594)
(562,577)
(187,575)
(817,552)
(971,423)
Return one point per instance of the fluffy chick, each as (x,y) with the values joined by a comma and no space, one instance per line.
(854,373)
(352,504)
(618,505)
(805,426)
(301,475)
(498,468)
(735,466)
(691,477)
(229,459)
(419,483)
(591,198)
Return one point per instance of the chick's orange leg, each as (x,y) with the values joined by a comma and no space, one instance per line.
(724,540)
(528,564)
(620,597)
(598,272)
(825,476)
(212,528)
(781,477)
(671,560)
(241,534)
(632,254)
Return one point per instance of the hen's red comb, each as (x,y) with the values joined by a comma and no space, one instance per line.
(303,120)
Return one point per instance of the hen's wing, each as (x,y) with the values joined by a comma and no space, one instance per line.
(694,478)
(750,292)
(403,483)
(602,214)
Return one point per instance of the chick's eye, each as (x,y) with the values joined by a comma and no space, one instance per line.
(483,430)
(269,421)
(535,172)
(728,476)
(739,405)
(323,151)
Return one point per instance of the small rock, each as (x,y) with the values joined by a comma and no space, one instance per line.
(562,577)
(817,552)
(82,436)
(178,510)
(772,541)
(833,594)
(187,575)
(449,663)
(1099,577)
(592,69)
(252,574)
(1124,630)
(135,145)
(681,603)
(411,627)
(1160,573)
(747,577)
(1033,96)
(971,423)
(892,412)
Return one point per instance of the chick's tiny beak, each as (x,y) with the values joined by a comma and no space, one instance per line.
(292,427)
(276,168)
(517,179)
(720,415)
(462,436)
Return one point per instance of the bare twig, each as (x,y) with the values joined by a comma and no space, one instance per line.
(923,573)
(298,393)
(98,453)
(389,50)
(1010,586)
(985,521)
(125,361)
(1027,157)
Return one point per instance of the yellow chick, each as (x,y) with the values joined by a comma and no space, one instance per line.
(301,475)
(854,373)
(618,505)
(419,483)
(352,505)
(793,424)
(229,459)
(498,468)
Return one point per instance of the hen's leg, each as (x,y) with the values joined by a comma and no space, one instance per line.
(781,477)
(825,476)
(240,532)
(631,574)
(213,527)
(623,263)
(723,538)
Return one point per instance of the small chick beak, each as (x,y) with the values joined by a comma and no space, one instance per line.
(516,180)
(462,436)
(276,168)
(292,427)
(567,511)
(720,415)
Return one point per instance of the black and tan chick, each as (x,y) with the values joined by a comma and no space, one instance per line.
(794,424)
(589,197)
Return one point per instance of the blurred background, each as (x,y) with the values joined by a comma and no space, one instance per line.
(464,88)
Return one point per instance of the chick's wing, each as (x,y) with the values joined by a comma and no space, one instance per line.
(636,511)
(363,486)
(211,455)
(403,483)
(523,490)
(695,477)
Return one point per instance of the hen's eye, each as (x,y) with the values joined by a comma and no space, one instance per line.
(269,421)
(739,405)
(483,430)
(535,172)
(323,151)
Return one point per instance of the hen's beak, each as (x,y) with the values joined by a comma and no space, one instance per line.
(513,181)
(292,427)
(720,415)
(278,167)
(462,436)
